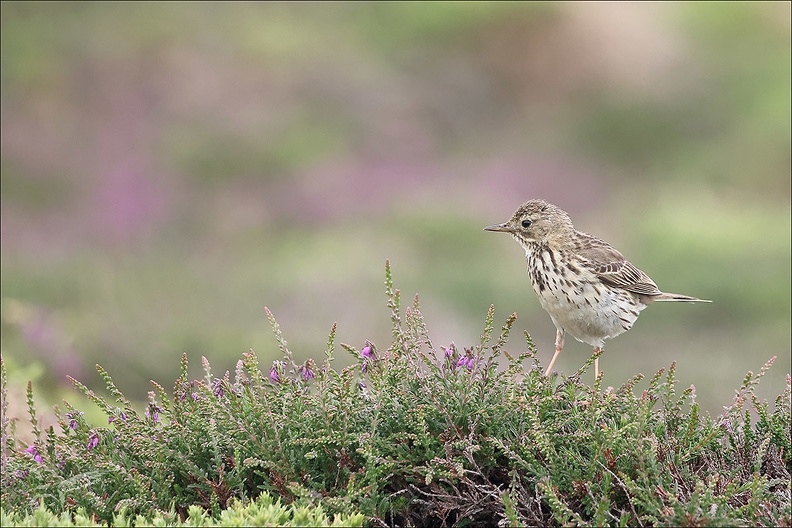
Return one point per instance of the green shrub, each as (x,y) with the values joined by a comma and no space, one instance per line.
(414,434)
(261,512)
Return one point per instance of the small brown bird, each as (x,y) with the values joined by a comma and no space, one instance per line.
(589,289)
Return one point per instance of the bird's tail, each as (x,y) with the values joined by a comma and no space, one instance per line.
(677,297)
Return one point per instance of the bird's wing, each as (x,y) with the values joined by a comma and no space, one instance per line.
(612,268)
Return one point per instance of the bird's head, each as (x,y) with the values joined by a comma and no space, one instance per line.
(535,221)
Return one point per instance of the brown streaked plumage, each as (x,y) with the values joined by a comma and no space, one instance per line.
(586,286)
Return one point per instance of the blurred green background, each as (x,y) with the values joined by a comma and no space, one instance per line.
(169,169)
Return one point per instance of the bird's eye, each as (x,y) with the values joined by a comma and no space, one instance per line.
(526,223)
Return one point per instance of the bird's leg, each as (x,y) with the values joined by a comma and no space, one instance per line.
(597,350)
(559,345)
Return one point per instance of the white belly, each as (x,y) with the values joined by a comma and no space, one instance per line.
(579,303)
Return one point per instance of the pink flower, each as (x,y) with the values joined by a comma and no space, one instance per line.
(152,411)
(36,455)
(306,371)
(113,418)
(466,361)
(93,440)
(274,376)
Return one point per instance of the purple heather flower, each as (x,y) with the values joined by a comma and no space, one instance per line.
(307,372)
(727,425)
(369,356)
(194,396)
(217,388)
(21,473)
(466,361)
(122,415)
(93,440)
(36,455)
(450,350)
(73,415)
(274,376)
(152,411)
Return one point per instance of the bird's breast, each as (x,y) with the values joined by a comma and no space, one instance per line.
(576,299)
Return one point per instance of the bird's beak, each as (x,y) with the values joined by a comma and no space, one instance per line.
(499,227)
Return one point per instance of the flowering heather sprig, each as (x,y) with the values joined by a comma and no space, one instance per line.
(306,370)
(369,355)
(277,372)
(93,440)
(120,415)
(153,410)
(183,388)
(73,418)
(217,388)
(368,351)
(31,450)
(240,378)
(468,361)
(189,388)
(449,355)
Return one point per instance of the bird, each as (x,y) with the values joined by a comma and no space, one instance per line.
(588,288)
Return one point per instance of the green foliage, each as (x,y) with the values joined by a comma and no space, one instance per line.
(411,434)
(264,511)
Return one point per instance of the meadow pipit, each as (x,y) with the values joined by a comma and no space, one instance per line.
(589,289)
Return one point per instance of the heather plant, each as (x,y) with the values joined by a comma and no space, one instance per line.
(264,511)
(414,434)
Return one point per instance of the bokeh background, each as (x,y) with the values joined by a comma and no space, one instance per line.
(170,169)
